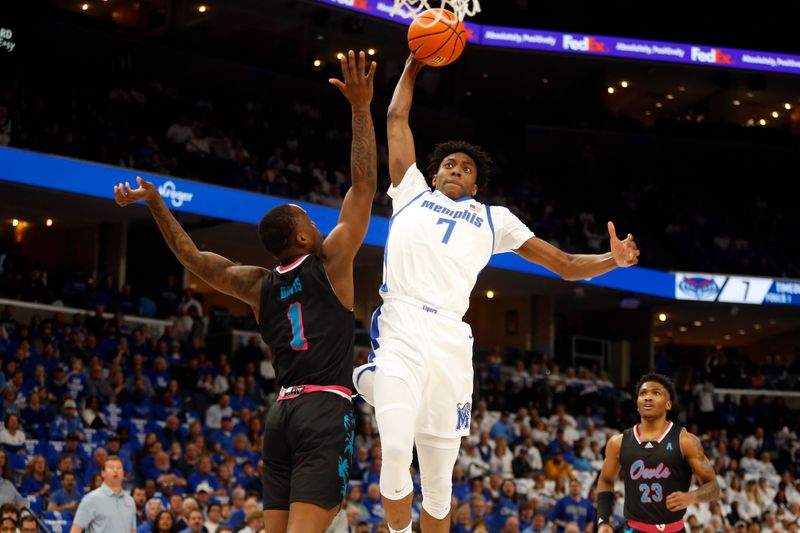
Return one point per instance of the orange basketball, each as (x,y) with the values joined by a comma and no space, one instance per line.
(436,37)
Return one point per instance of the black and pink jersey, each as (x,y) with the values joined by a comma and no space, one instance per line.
(653,470)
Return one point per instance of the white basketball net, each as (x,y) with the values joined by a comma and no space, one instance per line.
(412,8)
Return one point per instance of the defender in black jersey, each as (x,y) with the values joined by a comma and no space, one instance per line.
(305,312)
(657,459)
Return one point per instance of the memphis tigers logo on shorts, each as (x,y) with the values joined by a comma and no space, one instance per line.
(463,412)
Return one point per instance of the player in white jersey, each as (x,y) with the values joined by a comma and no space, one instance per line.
(420,378)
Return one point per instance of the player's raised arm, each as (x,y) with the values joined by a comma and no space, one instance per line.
(624,253)
(401,140)
(342,244)
(605,484)
(242,282)
(694,454)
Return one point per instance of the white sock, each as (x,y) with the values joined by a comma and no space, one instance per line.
(406,529)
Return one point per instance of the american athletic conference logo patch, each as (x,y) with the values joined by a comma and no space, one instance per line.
(463,413)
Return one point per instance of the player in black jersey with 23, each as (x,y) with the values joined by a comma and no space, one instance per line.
(305,312)
(657,458)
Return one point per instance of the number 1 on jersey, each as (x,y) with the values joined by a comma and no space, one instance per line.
(451,224)
(295,315)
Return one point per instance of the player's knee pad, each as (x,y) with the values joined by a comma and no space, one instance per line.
(436,496)
(395,481)
(396,455)
(437,456)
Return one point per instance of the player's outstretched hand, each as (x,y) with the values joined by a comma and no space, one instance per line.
(678,501)
(413,63)
(124,195)
(605,528)
(625,253)
(357,75)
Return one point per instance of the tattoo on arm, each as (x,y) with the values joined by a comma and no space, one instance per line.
(176,238)
(210,267)
(709,490)
(363,152)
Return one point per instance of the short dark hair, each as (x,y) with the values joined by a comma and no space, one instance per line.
(28,518)
(658,378)
(276,229)
(9,507)
(481,158)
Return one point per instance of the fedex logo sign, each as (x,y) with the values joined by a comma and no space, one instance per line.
(585,44)
(712,55)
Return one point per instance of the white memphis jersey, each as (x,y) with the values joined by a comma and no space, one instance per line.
(437,246)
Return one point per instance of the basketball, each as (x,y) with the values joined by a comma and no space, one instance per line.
(436,37)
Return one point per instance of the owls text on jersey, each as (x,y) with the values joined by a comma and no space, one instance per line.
(437,246)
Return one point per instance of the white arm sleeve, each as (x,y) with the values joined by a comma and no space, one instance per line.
(411,185)
(509,231)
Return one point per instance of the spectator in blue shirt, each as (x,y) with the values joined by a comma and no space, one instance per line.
(36,481)
(203,473)
(506,504)
(66,498)
(240,399)
(572,508)
(503,428)
(58,382)
(76,379)
(222,439)
(246,476)
(64,466)
(241,452)
(166,476)
(152,508)
(461,486)
(114,446)
(526,515)
(80,460)
(158,375)
(372,501)
(107,343)
(140,405)
(167,406)
(360,464)
(95,466)
(69,422)
(539,525)
(373,475)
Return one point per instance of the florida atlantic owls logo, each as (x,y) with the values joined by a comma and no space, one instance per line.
(699,287)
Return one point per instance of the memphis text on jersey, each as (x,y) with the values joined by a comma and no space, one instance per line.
(465,214)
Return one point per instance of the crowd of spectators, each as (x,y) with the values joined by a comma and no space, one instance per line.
(187,421)
(291,145)
(187,425)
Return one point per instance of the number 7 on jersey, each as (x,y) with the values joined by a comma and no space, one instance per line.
(450,225)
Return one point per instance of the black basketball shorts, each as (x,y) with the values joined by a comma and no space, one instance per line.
(308,448)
